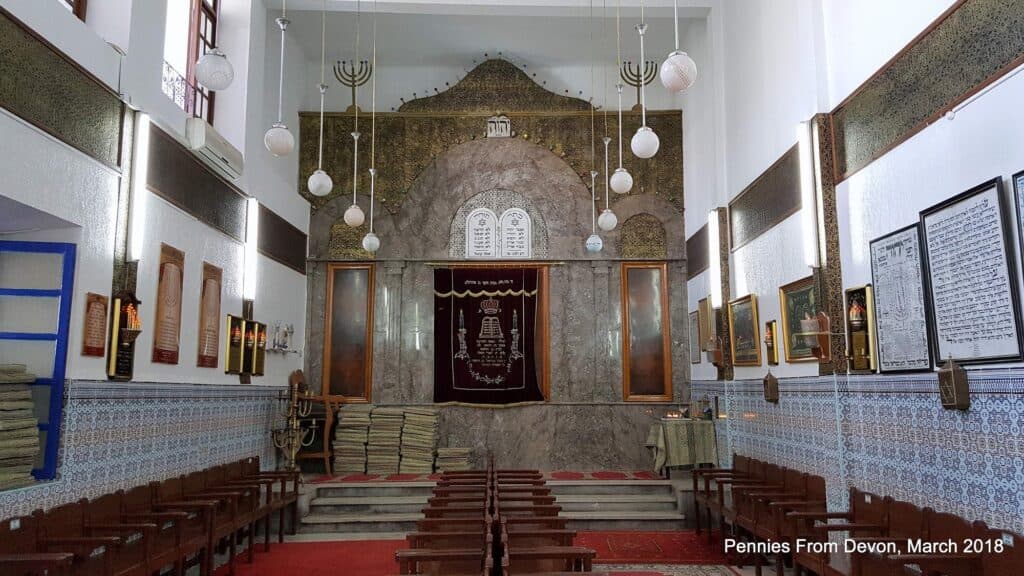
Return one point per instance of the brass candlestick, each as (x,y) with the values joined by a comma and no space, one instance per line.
(297,432)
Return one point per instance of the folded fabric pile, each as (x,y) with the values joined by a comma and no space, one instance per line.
(384,441)
(453,459)
(350,437)
(419,440)
(19,428)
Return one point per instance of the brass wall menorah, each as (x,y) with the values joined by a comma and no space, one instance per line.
(631,74)
(353,74)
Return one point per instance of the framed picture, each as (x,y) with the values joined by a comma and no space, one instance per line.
(744,332)
(970,277)
(94,328)
(706,315)
(799,320)
(695,341)
(1018,197)
(901,302)
(167,329)
(209,316)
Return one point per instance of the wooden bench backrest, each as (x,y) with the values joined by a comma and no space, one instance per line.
(106,509)
(868,508)
(138,500)
(20,535)
(193,483)
(942,527)
(169,489)
(65,521)
(906,520)
(1008,561)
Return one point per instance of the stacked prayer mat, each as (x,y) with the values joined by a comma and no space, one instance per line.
(350,437)
(453,459)
(19,428)
(384,441)
(419,439)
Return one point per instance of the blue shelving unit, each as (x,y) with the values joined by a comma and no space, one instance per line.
(55,382)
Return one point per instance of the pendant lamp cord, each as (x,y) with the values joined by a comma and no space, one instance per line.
(283,25)
(355,104)
(373,116)
(642,28)
(323,85)
(593,155)
(618,62)
(675,19)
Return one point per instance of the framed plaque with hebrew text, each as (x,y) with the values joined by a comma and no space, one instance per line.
(970,277)
(901,304)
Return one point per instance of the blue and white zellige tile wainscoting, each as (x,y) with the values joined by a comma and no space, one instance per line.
(121,435)
(888,435)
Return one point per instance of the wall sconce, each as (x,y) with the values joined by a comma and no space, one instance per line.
(954,391)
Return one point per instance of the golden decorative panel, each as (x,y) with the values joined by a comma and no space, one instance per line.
(347,242)
(496,86)
(767,201)
(643,236)
(971,45)
(46,89)
(409,140)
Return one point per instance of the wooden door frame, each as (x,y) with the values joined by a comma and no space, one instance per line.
(325,380)
(666,338)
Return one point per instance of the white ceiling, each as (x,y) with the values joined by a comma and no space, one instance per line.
(655,8)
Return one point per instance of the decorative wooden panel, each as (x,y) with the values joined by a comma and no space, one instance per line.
(50,91)
(177,176)
(697,253)
(971,45)
(643,236)
(280,241)
(767,201)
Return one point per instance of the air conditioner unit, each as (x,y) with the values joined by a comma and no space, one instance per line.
(215,151)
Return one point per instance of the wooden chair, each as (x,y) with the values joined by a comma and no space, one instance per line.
(235,515)
(867,515)
(715,498)
(945,527)
(260,490)
(285,498)
(702,478)
(153,542)
(22,552)
(218,514)
(63,529)
(1000,552)
(189,533)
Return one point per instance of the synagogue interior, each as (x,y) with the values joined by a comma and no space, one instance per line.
(504,287)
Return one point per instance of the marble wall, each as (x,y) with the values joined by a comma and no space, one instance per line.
(122,435)
(889,435)
(585,425)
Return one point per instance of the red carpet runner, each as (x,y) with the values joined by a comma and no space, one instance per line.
(377,557)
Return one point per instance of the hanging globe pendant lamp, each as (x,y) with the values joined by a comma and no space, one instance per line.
(678,71)
(319,182)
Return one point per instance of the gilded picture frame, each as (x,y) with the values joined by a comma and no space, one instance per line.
(798,304)
(695,340)
(744,331)
(705,317)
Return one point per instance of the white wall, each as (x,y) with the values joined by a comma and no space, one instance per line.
(43,173)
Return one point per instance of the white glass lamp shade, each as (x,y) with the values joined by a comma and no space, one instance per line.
(214,71)
(678,71)
(354,216)
(279,140)
(645,142)
(607,221)
(594,243)
(319,183)
(621,181)
(371,243)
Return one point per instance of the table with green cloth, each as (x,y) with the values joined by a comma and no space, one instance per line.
(682,442)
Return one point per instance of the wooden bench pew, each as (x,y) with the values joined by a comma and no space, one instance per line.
(191,528)
(702,478)
(23,552)
(63,529)
(866,515)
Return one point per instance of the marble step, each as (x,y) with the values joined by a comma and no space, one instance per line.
(665,502)
(559,487)
(318,522)
(368,504)
(373,489)
(615,520)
